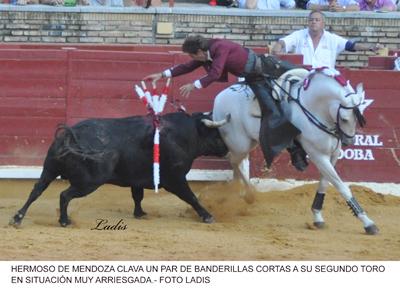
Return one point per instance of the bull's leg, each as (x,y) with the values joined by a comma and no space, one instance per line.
(183,191)
(326,168)
(45,179)
(137,195)
(66,196)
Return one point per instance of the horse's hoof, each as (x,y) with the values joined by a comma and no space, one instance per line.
(371,229)
(319,225)
(14,223)
(208,219)
(65,223)
(16,220)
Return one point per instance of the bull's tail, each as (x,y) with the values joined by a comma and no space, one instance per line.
(68,143)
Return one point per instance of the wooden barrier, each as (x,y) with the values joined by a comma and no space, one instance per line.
(381,62)
(44,85)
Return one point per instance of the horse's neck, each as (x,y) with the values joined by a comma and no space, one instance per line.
(322,95)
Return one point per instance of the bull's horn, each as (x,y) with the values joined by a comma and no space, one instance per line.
(216,124)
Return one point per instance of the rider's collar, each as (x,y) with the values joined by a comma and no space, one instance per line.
(209,56)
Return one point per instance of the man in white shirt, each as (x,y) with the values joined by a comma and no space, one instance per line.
(318,47)
(266,4)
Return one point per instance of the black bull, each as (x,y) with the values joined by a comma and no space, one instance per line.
(120,152)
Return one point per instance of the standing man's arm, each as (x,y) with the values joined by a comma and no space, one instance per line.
(367,47)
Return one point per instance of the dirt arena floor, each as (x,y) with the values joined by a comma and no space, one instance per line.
(276,226)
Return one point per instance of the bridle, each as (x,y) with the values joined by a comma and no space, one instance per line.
(360,118)
(337,131)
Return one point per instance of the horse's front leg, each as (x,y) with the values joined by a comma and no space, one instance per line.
(327,170)
(318,203)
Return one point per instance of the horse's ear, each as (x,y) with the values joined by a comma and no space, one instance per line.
(360,91)
(360,88)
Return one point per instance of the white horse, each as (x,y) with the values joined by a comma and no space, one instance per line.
(325,111)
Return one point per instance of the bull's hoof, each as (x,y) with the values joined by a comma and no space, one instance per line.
(139,215)
(64,223)
(371,229)
(16,220)
(208,219)
(319,225)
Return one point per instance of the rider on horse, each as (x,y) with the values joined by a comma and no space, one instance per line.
(220,56)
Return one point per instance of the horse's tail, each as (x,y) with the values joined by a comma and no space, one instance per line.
(67,143)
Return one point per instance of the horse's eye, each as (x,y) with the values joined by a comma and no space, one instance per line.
(344,120)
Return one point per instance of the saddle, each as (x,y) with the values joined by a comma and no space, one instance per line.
(281,87)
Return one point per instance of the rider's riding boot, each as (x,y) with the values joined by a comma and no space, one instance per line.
(276,132)
(298,156)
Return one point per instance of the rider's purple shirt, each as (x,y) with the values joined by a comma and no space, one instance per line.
(226,56)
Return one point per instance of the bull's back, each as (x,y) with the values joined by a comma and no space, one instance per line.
(132,140)
(109,150)
(104,134)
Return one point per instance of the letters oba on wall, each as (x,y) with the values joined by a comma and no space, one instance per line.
(355,153)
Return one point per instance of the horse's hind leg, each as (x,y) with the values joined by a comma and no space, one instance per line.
(45,179)
(239,165)
(328,171)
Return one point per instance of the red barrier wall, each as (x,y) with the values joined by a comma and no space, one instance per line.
(32,102)
(44,85)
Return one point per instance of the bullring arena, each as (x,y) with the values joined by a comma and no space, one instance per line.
(51,73)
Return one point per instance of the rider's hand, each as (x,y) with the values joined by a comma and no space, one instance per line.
(153,77)
(186,89)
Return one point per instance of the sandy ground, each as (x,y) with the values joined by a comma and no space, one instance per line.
(276,226)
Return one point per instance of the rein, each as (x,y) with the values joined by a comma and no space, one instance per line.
(314,120)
